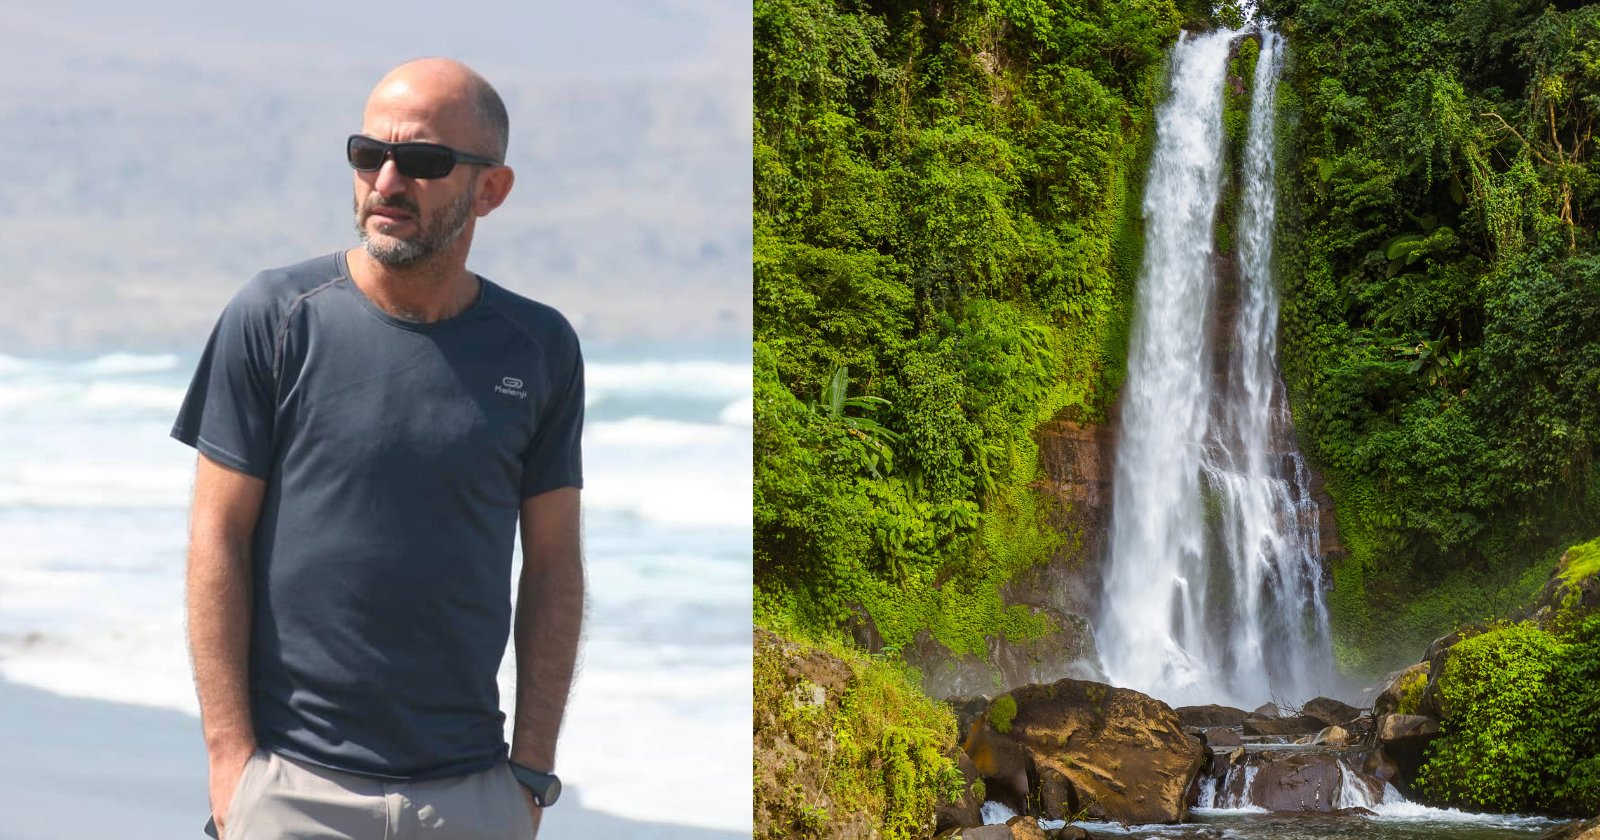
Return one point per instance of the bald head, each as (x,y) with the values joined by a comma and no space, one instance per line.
(444,90)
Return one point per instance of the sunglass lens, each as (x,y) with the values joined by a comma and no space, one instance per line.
(424,160)
(365,154)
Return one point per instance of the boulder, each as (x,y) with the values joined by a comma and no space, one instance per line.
(1120,750)
(1206,717)
(1073,832)
(1392,728)
(1026,828)
(1333,736)
(1282,727)
(1399,684)
(1380,766)
(1331,712)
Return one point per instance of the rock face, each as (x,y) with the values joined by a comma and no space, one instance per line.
(1116,751)
(1069,651)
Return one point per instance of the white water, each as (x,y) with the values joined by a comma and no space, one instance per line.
(1212,587)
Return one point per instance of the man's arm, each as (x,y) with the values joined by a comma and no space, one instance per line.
(549,619)
(221,525)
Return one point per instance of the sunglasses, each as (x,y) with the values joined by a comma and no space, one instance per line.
(414,160)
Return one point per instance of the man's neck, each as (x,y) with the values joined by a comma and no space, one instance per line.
(430,291)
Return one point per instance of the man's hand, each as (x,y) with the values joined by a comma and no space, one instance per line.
(534,810)
(225,769)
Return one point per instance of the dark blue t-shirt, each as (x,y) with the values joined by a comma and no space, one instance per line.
(396,456)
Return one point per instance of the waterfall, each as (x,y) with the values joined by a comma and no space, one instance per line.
(1212,588)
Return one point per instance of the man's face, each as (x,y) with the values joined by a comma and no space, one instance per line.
(403,221)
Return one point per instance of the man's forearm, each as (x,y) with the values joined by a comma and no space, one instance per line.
(219,610)
(548,624)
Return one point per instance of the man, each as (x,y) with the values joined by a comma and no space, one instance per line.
(372,425)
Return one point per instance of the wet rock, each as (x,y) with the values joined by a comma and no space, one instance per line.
(1330,712)
(1072,832)
(1005,766)
(1380,766)
(1221,738)
(1396,687)
(1267,710)
(1121,750)
(987,832)
(1282,727)
(1586,830)
(1206,717)
(1301,782)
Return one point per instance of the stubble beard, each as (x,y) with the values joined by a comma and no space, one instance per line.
(441,229)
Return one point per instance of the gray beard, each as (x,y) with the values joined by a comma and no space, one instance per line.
(440,230)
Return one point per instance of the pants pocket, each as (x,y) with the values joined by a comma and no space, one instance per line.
(241,790)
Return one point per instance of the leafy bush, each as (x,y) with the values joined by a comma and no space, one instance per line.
(1521,730)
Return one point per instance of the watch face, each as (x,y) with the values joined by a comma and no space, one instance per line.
(552,792)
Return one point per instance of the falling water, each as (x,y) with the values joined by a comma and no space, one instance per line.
(1212,590)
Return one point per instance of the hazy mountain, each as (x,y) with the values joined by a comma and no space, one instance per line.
(158,155)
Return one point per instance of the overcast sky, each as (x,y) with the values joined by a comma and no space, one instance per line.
(162,151)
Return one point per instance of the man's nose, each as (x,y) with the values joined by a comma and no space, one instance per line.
(389,181)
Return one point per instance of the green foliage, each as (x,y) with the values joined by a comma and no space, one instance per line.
(947,235)
(875,750)
(1002,712)
(1441,311)
(1521,730)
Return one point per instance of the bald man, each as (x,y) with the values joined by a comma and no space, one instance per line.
(374,429)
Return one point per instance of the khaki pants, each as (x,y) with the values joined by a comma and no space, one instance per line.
(280,798)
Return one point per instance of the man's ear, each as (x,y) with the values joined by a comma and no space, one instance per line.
(492,193)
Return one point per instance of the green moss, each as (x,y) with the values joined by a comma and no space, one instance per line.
(876,748)
(1002,712)
(1411,695)
(1584,561)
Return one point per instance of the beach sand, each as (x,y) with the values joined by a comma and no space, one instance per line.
(88,768)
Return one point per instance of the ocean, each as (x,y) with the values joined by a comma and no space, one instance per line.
(94,499)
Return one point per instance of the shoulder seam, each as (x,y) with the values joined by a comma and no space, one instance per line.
(515,324)
(283,332)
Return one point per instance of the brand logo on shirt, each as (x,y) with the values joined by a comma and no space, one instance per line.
(511,387)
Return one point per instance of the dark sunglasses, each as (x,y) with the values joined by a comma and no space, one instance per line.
(414,160)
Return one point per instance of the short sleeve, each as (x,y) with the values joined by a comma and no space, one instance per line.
(228,412)
(554,458)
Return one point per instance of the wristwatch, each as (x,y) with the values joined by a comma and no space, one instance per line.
(546,787)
